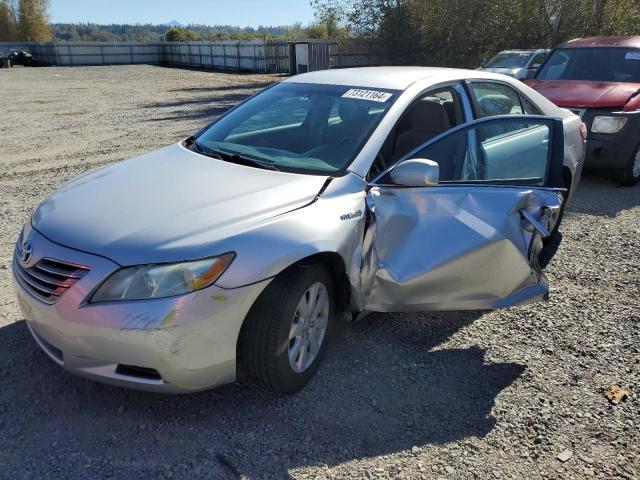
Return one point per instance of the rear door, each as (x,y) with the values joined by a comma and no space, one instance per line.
(472,241)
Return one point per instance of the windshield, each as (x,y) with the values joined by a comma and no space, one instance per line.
(299,127)
(509,60)
(593,64)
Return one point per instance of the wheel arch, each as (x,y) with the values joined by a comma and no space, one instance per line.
(336,267)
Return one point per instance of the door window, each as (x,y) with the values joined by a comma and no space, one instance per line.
(493,99)
(514,151)
(537,60)
(528,107)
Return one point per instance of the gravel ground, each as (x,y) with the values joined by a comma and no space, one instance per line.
(506,394)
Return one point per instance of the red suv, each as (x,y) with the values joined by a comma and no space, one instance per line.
(599,79)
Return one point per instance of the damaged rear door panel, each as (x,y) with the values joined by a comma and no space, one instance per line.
(472,241)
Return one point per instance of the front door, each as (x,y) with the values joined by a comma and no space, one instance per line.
(472,241)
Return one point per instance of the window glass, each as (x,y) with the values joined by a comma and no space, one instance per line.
(617,64)
(285,112)
(299,127)
(538,59)
(509,60)
(500,151)
(493,99)
(528,107)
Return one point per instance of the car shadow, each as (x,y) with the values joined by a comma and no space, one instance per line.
(599,195)
(550,249)
(386,385)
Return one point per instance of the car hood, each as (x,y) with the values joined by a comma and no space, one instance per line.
(572,93)
(168,205)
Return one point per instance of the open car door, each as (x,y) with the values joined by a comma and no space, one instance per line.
(471,241)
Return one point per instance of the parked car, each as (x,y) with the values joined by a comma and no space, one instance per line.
(599,79)
(333,192)
(518,64)
(19,57)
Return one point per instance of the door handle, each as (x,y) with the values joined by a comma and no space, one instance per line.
(535,223)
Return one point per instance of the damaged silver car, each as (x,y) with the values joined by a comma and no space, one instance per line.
(330,194)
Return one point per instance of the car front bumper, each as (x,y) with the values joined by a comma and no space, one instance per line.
(178,344)
(610,150)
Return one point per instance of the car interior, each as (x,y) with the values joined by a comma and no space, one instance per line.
(428,117)
(323,127)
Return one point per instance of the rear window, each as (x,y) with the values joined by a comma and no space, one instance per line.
(616,64)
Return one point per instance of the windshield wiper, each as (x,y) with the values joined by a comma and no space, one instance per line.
(240,160)
(229,157)
(192,142)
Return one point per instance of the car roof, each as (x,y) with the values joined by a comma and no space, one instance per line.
(525,50)
(602,42)
(392,78)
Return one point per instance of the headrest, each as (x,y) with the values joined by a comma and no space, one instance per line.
(429,117)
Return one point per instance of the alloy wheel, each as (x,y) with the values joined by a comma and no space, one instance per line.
(308,327)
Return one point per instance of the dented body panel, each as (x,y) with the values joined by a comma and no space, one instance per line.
(453,248)
(189,340)
(427,248)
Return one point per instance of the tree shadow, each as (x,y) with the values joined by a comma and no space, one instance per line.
(208,107)
(384,387)
(219,100)
(225,88)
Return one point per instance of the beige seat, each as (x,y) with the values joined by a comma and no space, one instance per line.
(427,120)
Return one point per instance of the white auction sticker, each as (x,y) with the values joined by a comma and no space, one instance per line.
(373,95)
(632,56)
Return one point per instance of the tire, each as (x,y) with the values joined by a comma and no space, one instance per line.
(629,175)
(265,344)
(546,241)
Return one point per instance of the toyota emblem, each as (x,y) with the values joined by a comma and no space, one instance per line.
(27,252)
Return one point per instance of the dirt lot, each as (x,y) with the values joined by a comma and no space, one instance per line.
(454,396)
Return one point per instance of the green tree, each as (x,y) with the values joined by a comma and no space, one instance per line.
(466,32)
(177,34)
(8,22)
(33,20)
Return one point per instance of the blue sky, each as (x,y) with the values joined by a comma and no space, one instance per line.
(209,12)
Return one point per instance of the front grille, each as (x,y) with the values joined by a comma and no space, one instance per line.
(48,279)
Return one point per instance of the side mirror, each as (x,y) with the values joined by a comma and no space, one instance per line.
(416,172)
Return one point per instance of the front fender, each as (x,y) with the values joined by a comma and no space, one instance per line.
(334,222)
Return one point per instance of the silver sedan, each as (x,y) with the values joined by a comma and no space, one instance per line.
(331,194)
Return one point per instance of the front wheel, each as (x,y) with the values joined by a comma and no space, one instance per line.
(629,175)
(285,334)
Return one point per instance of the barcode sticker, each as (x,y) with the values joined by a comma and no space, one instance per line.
(632,56)
(373,95)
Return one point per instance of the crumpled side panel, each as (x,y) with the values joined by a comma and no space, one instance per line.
(454,248)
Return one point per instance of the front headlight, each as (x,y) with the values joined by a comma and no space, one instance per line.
(161,280)
(608,124)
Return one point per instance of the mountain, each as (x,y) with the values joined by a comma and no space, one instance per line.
(175,23)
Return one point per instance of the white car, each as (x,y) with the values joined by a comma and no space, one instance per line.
(343,191)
